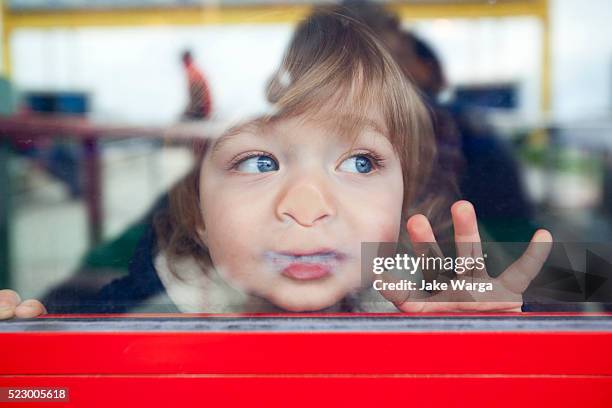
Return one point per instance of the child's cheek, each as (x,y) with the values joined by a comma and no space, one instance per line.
(384,229)
(389,231)
(226,233)
(382,215)
(233,233)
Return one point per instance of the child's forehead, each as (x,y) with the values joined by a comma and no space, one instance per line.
(340,126)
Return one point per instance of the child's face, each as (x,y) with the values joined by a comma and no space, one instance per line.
(287,206)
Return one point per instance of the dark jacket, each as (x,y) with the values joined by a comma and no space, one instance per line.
(101,289)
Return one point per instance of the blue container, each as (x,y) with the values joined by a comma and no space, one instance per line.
(74,103)
(502,96)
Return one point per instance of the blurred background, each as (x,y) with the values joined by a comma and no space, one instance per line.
(90,88)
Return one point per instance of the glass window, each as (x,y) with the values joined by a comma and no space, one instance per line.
(327,159)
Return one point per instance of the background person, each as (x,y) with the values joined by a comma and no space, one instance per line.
(200,103)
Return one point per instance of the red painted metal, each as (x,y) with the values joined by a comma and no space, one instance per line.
(305,391)
(307,353)
(476,369)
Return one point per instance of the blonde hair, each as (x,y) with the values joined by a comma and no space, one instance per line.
(332,59)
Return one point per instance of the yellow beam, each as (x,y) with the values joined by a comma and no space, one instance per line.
(254,14)
(157,16)
(471,9)
(545,78)
(6,35)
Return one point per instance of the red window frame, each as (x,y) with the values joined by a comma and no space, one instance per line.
(524,360)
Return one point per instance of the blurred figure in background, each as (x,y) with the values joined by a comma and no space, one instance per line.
(200,104)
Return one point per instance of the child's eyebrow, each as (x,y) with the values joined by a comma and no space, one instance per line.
(232,133)
(344,122)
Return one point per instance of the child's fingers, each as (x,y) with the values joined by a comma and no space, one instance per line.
(397,297)
(30,308)
(423,241)
(422,236)
(467,237)
(419,229)
(464,221)
(9,299)
(443,306)
(519,275)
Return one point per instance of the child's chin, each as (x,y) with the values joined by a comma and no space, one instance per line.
(314,304)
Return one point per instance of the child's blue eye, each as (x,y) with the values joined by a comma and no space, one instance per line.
(257,164)
(359,163)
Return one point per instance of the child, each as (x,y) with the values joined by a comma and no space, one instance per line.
(273,216)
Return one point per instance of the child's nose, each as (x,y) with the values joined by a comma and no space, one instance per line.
(305,203)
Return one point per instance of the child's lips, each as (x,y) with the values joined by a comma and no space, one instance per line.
(306,271)
(305,265)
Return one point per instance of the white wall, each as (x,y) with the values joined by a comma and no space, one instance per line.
(581,58)
(135,74)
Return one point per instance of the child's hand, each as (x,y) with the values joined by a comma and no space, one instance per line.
(12,306)
(509,286)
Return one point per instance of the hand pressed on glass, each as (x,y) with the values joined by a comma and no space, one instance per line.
(11,306)
(507,289)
